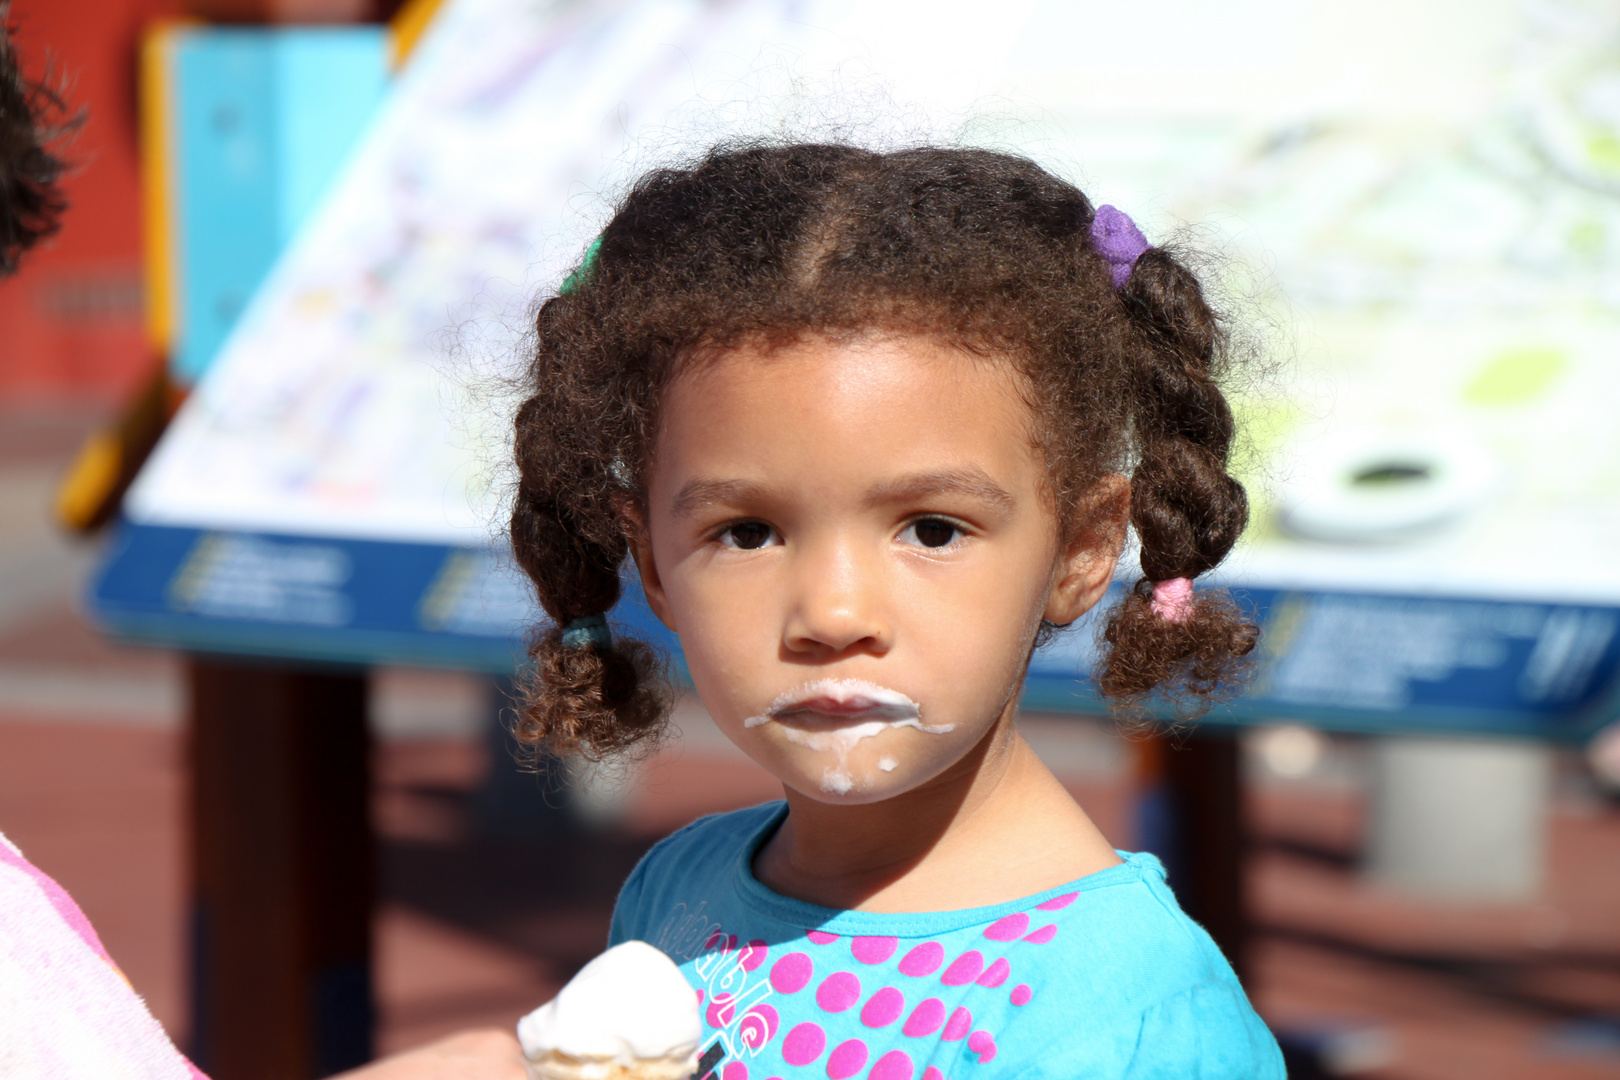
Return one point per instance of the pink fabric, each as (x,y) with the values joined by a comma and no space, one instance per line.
(66,1011)
(1173,599)
(59,898)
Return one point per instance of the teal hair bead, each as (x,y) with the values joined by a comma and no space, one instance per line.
(588,630)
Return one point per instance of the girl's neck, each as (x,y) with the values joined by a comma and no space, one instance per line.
(996,827)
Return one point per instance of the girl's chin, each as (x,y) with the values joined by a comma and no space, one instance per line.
(851,785)
(830,791)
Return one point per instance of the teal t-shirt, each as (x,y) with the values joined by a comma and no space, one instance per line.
(1104,977)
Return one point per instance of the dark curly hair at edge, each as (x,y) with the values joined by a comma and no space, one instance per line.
(762,244)
(31,119)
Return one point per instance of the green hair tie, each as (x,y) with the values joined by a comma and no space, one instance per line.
(586,268)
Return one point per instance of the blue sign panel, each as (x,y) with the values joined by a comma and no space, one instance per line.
(336,601)
(264,121)
(1347,661)
(1386,663)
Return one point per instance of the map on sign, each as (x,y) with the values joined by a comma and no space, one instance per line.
(1428,220)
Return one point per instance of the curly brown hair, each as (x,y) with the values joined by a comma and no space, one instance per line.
(33,116)
(763,244)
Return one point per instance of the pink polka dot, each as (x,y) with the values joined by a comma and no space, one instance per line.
(734,1070)
(996,973)
(790,974)
(716,938)
(923,960)
(873,950)
(758,1026)
(1043,935)
(925,1018)
(804,1044)
(838,992)
(883,1008)
(1058,903)
(1021,994)
(847,1059)
(895,1065)
(960,1023)
(932,1073)
(964,969)
(820,938)
(1009,928)
(982,1044)
(754,955)
(721,1011)
(700,997)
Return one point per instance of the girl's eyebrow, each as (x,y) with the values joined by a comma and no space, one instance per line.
(974,483)
(698,494)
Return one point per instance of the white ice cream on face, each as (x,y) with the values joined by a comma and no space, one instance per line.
(872,709)
(630,1005)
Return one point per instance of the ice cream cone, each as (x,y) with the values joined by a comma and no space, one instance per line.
(628,1015)
(563,1067)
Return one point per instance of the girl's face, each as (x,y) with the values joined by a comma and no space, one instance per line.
(855,543)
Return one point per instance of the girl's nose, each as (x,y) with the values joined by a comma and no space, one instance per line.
(837,605)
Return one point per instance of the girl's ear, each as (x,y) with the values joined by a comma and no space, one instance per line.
(635,530)
(1086,568)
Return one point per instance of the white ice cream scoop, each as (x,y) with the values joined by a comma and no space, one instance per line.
(627,1014)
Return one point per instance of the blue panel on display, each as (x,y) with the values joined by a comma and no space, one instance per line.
(264,122)
(225,180)
(1348,661)
(1387,663)
(337,601)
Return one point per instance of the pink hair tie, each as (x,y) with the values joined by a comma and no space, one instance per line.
(1173,599)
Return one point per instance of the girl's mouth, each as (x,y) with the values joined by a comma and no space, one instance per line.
(833,715)
(841,700)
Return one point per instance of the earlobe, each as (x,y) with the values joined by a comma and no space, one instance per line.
(1087,568)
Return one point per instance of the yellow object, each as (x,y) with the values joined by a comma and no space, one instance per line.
(408,25)
(157,209)
(89,495)
(94,487)
(95,472)
(1516,377)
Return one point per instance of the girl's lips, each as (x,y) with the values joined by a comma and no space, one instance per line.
(840,700)
(856,706)
(833,715)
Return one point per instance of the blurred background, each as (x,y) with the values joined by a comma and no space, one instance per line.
(252,680)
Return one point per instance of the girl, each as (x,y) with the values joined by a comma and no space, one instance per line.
(871,426)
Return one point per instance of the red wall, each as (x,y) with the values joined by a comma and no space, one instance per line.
(71,321)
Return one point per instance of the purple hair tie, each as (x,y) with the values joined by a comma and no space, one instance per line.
(1118,241)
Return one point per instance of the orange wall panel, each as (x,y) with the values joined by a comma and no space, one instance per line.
(71,320)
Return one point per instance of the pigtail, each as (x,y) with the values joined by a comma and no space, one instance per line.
(595,694)
(1186,508)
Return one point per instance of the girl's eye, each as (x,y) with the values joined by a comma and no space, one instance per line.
(748,535)
(932,533)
